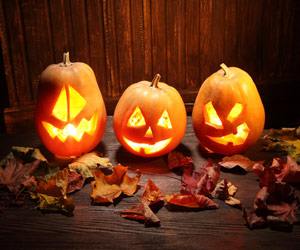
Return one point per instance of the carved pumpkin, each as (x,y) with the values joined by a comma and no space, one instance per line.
(70,115)
(150,118)
(228,115)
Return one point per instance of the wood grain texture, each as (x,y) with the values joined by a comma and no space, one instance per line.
(101,227)
(129,41)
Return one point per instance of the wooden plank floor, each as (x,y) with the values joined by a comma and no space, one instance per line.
(101,227)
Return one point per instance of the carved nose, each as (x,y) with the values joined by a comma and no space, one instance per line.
(149,133)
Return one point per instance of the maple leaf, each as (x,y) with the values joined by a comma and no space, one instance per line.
(107,188)
(253,220)
(86,164)
(285,139)
(202,182)
(15,174)
(231,162)
(141,212)
(290,171)
(177,159)
(152,194)
(191,201)
(267,174)
(225,191)
(277,205)
(51,194)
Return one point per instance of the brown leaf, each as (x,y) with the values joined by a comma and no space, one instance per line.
(253,220)
(230,162)
(290,171)
(106,188)
(177,159)
(152,194)
(75,182)
(15,174)
(141,212)
(86,164)
(191,201)
(225,191)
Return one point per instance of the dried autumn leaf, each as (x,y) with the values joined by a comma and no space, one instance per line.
(191,201)
(202,182)
(290,171)
(253,220)
(75,182)
(86,164)
(51,194)
(177,159)
(141,212)
(267,174)
(15,174)
(106,188)
(152,194)
(286,139)
(277,204)
(231,162)
(225,191)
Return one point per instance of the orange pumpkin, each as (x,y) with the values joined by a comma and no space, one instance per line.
(70,115)
(150,118)
(228,115)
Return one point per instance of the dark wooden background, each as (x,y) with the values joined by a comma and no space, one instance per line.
(126,41)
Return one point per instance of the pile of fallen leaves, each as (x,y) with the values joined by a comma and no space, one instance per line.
(25,172)
(276,204)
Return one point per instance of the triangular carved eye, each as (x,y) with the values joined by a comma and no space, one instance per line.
(67,111)
(136,119)
(164,121)
(235,112)
(211,117)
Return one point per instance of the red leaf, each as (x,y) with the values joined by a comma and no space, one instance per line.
(233,161)
(253,220)
(177,159)
(191,201)
(202,182)
(75,182)
(290,171)
(152,194)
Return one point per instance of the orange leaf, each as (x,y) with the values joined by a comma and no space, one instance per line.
(141,212)
(106,188)
(191,201)
(152,194)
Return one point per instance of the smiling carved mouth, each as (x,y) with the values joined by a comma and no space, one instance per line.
(148,148)
(236,139)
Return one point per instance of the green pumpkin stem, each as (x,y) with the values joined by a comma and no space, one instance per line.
(226,69)
(155,81)
(66,60)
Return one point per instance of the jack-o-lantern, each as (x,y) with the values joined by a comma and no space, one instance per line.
(70,115)
(228,115)
(150,118)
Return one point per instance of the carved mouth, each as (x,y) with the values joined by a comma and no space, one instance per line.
(235,139)
(148,148)
(84,126)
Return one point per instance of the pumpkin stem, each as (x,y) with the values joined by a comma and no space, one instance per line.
(66,60)
(155,81)
(226,69)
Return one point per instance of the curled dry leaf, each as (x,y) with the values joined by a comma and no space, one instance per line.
(86,164)
(191,201)
(141,212)
(177,159)
(15,174)
(51,194)
(225,191)
(202,182)
(152,194)
(275,204)
(231,162)
(106,188)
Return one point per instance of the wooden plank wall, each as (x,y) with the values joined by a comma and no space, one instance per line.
(126,41)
